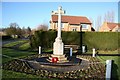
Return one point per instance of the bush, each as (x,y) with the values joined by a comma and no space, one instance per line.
(71,38)
(6,37)
(99,40)
(45,39)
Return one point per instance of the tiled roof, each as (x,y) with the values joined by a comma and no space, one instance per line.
(111,25)
(118,24)
(72,19)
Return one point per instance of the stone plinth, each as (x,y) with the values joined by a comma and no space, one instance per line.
(61,58)
(58,51)
(58,47)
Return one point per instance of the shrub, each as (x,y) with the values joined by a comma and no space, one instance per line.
(99,40)
(6,37)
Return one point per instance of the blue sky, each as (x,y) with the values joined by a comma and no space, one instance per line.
(34,13)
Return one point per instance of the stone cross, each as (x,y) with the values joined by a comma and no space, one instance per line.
(59,12)
(58,44)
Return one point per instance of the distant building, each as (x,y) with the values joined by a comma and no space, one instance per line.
(71,23)
(2,33)
(110,27)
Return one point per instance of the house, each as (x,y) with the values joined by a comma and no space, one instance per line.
(110,27)
(71,23)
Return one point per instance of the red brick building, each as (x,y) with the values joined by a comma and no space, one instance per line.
(71,23)
(108,26)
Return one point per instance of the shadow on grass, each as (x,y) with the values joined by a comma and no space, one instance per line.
(114,74)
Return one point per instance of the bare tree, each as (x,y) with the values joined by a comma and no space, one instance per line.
(43,27)
(112,16)
(93,22)
(14,30)
(98,22)
(109,16)
(105,18)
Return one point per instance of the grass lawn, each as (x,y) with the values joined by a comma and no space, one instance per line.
(11,44)
(20,54)
(108,52)
(0,73)
(104,52)
(16,74)
(25,46)
(48,50)
(7,74)
(14,54)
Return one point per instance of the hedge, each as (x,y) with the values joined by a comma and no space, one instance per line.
(99,40)
(6,37)
(44,39)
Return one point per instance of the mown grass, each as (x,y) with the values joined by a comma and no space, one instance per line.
(0,73)
(11,44)
(14,54)
(19,54)
(10,75)
(16,74)
(104,52)
(47,50)
(108,52)
(25,46)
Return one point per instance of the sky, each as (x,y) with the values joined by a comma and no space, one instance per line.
(33,14)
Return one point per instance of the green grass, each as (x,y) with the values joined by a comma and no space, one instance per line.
(116,65)
(20,54)
(104,52)
(48,50)
(11,44)
(25,46)
(14,54)
(0,74)
(16,74)
(9,75)
(108,52)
